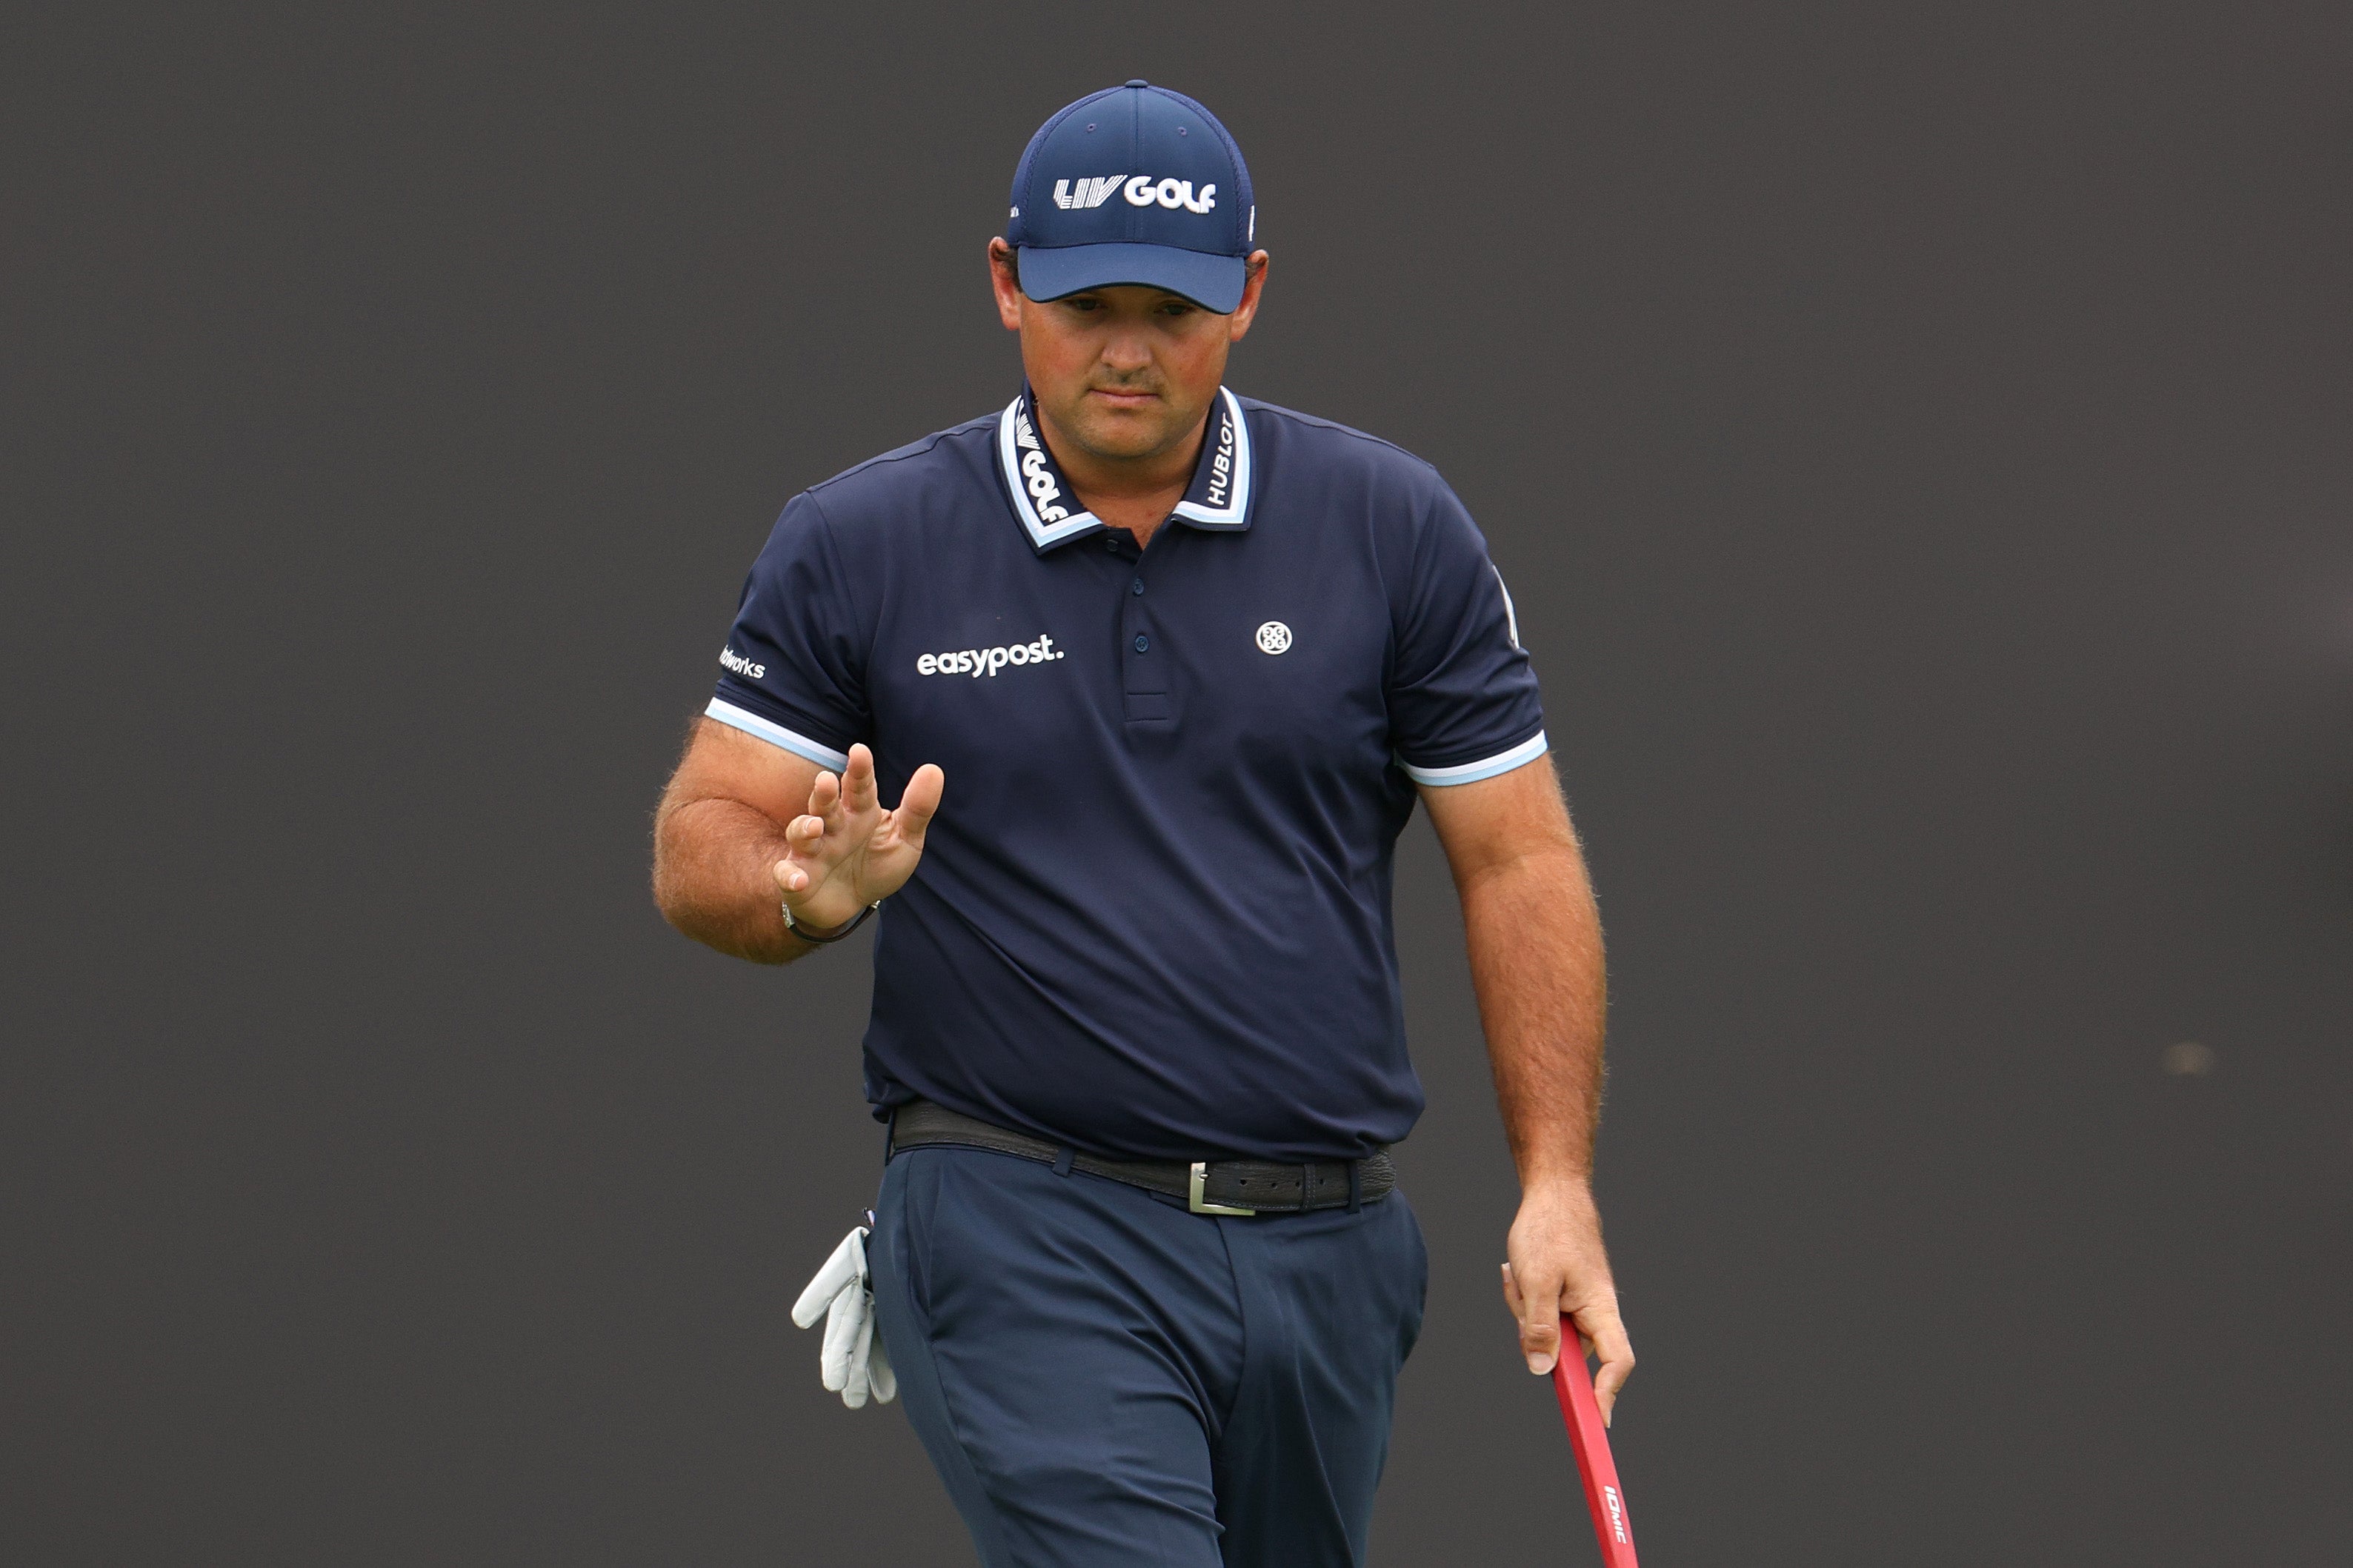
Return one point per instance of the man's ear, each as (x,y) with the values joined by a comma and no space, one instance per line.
(1253,284)
(1005,277)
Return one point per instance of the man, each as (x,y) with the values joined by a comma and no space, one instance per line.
(1154,674)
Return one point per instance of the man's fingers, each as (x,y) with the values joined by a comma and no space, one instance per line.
(1608,1332)
(857,793)
(1607,1382)
(918,803)
(1540,1343)
(1539,1315)
(847,826)
(825,794)
(803,835)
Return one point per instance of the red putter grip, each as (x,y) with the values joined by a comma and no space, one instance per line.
(1604,1498)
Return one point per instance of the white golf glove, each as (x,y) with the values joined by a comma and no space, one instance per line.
(852,1363)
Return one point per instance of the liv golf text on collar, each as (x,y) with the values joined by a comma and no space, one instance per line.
(980,662)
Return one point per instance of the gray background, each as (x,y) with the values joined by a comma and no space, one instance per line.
(1917,437)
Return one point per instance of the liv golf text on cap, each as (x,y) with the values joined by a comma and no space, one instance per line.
(1133,184)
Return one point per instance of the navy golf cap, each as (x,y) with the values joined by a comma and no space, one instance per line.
(1133,184)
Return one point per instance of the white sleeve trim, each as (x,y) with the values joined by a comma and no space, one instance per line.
(775,734)
(1527,751)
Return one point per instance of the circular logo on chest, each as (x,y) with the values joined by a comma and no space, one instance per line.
(1273,638)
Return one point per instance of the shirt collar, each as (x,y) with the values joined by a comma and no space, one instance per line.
(1219,496)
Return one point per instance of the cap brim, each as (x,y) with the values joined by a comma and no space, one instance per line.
(1214,282)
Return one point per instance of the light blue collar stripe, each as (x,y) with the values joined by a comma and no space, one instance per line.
(1526,752)
(1233,514)
(775,734)
(1041,535)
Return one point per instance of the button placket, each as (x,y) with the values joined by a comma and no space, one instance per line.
(1147,681)
(1135,638)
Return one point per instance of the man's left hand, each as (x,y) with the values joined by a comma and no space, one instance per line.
(1557,1267)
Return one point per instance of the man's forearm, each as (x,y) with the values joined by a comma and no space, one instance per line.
(713,878)
(1536,960)
(1534,940)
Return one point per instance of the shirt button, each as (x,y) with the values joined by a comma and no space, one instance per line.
(1111,544)
(1136,586)
(1143,643)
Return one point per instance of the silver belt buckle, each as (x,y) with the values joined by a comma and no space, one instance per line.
(1200,1205)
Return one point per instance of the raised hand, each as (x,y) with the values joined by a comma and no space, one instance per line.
(847,851)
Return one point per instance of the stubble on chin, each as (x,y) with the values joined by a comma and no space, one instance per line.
(1126,433)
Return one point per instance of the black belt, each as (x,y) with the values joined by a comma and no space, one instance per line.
(1208,1186)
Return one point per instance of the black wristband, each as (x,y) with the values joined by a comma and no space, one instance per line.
(863,916)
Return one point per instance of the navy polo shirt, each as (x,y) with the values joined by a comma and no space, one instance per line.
(1152,917)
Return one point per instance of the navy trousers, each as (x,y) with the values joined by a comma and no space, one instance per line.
(1103,1378)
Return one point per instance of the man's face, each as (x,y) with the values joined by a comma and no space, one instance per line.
(1125,372)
